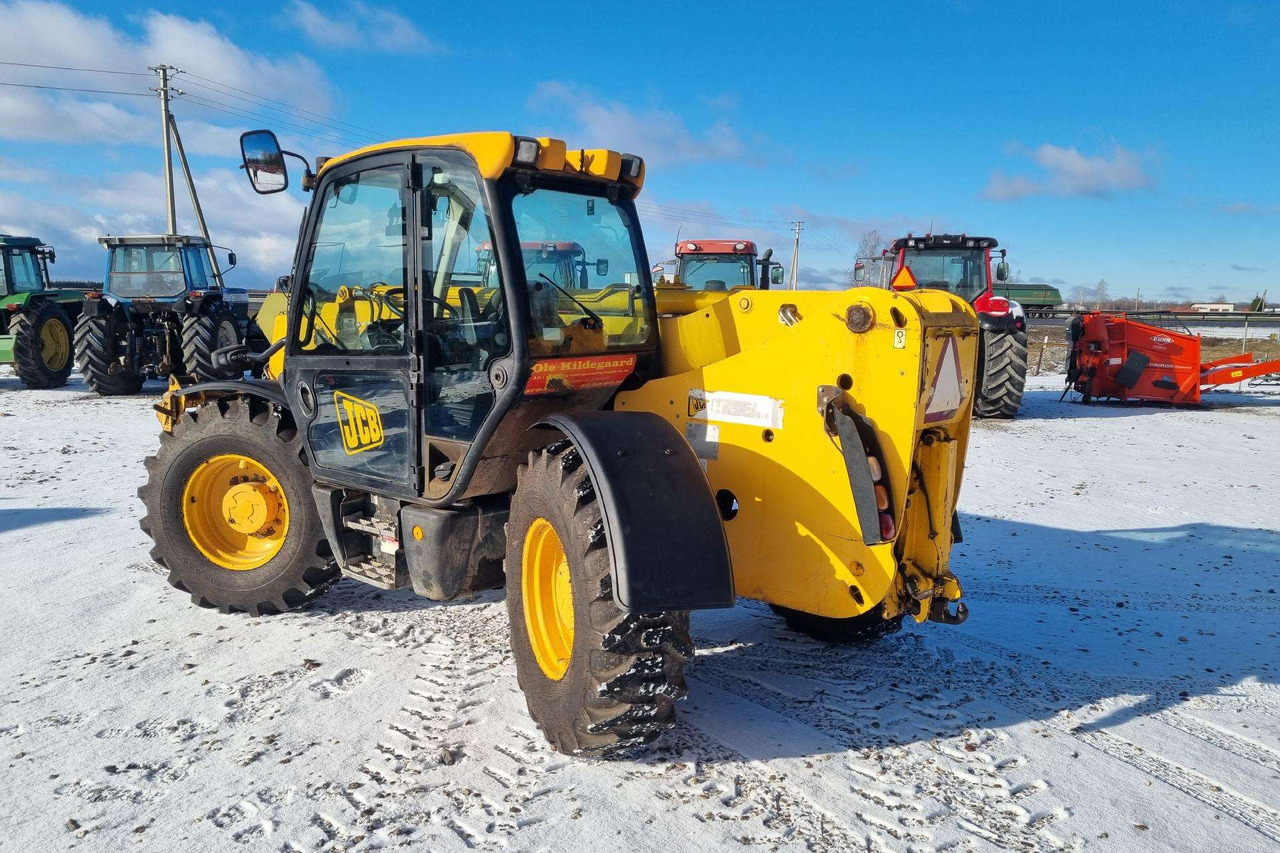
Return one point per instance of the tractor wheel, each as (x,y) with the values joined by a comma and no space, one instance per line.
(597,681)
(42,344)
(862,628)
(214,326)
(229,507)
(1004,374)
(98,350)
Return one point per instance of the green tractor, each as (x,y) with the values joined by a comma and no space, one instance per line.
(35,320)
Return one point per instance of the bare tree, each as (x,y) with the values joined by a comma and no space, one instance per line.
(1101,293)
(870,245)
(1079,295)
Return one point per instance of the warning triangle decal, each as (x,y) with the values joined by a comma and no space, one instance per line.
(904,279)
(947,391)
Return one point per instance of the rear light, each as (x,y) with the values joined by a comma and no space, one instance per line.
(197,294)
(631,166)
(874,464)
(998,305)
(14,307)
(93,294)
(882,498)
(887,528)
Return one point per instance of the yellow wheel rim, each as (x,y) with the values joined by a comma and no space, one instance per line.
(547,590)
(235,512)
(55,345)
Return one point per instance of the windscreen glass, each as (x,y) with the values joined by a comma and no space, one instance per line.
(145,271)
(959,271)
(583,272)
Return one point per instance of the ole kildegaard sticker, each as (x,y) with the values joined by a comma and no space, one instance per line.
(579,374)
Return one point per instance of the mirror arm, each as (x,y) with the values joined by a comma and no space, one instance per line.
(308,177)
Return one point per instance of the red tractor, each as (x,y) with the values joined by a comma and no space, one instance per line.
(961,264)
(723,265)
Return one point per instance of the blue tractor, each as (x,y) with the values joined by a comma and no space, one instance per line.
(163,311)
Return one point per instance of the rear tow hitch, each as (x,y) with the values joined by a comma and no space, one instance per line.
(940,611)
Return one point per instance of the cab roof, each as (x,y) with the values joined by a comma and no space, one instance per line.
(715,247)
(495,152)
(153,240)
(945,241)
(11,242)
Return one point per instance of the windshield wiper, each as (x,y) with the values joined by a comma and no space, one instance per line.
(596,323)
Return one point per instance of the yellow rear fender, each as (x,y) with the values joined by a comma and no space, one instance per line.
(748,381)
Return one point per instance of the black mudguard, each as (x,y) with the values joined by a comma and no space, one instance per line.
(665,536)
(264,388)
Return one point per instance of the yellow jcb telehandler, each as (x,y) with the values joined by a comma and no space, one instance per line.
(475,383)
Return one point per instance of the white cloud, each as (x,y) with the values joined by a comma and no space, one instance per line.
(55,34)
(261,229)
(1249,208)
(1064,171)
(360,25)
(658,135)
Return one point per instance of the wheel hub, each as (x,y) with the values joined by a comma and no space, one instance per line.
(235,512)
(55,346)
(251,508)
(546,585)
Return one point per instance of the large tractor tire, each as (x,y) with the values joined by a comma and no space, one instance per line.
(597,681)
(229,507)
(1004,374)
(99,345)
(862,628)
(213,327)
(42,349)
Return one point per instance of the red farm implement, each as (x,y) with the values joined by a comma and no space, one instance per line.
(1115,357)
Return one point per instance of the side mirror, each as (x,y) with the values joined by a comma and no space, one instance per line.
(263,161)
(231,260)
(1002,271)
(602,266)
(658,269)
(284,283)
(859,272)
(775,274)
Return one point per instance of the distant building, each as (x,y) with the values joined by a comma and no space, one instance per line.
(1213,307)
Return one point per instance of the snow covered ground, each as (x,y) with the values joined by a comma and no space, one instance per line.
(1115,687)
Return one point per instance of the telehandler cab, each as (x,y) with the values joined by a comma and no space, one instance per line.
(450,411)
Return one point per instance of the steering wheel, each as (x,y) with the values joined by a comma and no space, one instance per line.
(448,309)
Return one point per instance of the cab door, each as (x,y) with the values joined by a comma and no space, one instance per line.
(351,369)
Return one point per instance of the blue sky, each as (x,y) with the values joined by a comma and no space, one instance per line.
(1133,142)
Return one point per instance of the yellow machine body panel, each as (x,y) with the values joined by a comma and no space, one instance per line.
(495,151)
(748,376)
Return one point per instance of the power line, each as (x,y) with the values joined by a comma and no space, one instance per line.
(71,68)
(76,89)
(289,106)
(237,112)
(262,106)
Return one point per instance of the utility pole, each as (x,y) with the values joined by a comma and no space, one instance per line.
(164,91)
(795,255)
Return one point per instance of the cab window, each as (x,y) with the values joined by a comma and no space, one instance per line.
(464,322)
(356,272)
(715,272)
(582,273)
(26,272)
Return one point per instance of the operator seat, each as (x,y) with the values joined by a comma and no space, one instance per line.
(714,284)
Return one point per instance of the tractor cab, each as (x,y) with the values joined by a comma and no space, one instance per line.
(723,265)
(24,265)
(161,268)
(961,264)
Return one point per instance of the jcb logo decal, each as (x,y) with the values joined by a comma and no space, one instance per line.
(359,421)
